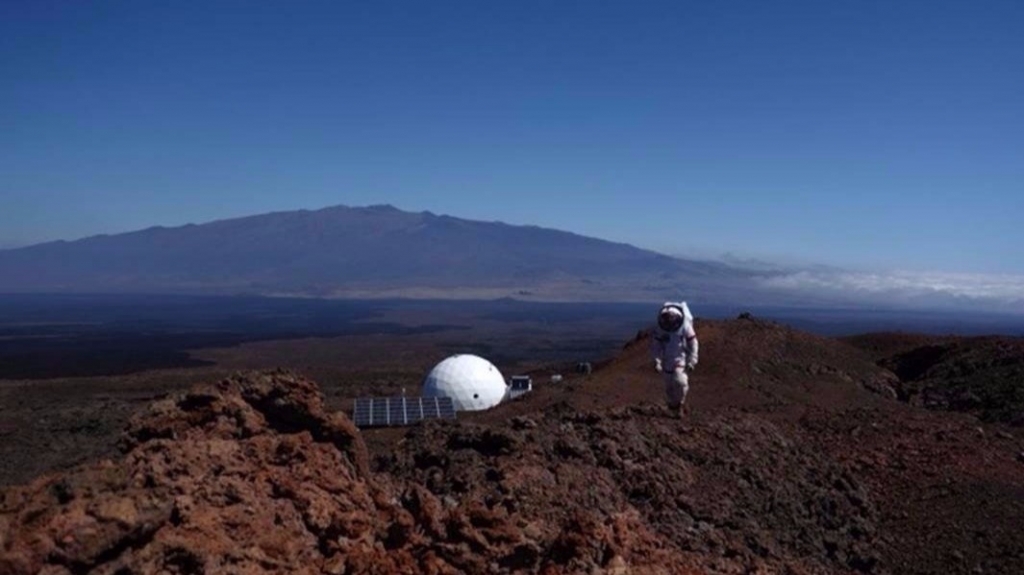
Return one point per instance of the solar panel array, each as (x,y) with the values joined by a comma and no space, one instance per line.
(396,411)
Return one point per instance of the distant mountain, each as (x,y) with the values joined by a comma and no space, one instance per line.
(377,251)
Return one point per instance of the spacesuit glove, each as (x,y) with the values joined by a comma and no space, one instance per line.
(657,365)
(690,367)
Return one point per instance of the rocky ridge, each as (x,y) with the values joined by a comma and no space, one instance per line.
(796,457)
(253,475)
(979,375)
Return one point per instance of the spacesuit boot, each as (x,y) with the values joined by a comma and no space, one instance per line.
(675,410)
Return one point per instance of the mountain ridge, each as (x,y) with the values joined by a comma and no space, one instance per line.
(344,251)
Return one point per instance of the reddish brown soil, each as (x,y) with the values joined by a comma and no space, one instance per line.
(795,457)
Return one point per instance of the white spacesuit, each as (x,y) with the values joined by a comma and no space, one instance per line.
(674,348)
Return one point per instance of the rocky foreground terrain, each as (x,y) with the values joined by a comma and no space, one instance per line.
(799,454)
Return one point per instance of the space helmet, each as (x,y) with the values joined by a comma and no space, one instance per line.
(670,318)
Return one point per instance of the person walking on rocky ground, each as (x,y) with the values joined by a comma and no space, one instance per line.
(674,348)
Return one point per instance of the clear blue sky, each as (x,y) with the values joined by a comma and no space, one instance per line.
(862,133)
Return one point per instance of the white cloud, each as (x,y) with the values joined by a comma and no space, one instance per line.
(1002,290)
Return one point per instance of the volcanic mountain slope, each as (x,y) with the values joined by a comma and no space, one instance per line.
(377,251)
(795,458)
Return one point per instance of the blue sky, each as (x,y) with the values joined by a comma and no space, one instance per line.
(864,134)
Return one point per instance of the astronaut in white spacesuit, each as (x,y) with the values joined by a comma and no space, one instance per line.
(674,348)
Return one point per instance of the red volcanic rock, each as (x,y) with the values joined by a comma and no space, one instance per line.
(253,475)
(250,474)
(631,488)
(794,458)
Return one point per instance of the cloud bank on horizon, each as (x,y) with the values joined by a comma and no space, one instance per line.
(991,292)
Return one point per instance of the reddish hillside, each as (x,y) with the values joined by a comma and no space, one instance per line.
(747,363)
(795,458)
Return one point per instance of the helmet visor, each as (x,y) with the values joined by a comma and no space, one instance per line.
(670,320)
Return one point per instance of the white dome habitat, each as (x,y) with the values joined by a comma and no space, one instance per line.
(471,381)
